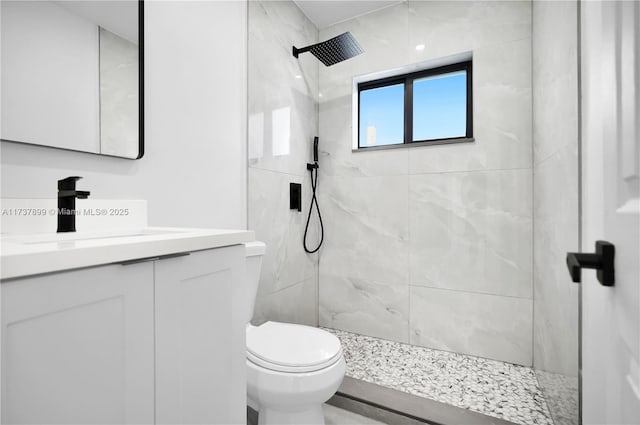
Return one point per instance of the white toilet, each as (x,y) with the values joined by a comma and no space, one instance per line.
(291,369)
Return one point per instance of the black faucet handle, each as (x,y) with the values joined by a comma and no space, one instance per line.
(68,183)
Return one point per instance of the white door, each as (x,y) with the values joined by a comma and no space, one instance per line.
(77,347)
(200,338)
(610,66)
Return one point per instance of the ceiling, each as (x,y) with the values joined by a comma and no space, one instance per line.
(119,17)
(324,13)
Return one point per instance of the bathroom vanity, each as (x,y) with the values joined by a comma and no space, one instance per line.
(136,326)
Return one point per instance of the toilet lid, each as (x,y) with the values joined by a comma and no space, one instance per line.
(292,348)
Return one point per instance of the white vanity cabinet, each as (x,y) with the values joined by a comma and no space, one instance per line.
(77,346)
(160,340)
(200,338)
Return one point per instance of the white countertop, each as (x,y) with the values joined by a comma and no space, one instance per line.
(25,255)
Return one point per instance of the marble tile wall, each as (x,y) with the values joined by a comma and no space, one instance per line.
(282,121)
(433,245)
(556,203)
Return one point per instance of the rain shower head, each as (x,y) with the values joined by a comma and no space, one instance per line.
(334,50)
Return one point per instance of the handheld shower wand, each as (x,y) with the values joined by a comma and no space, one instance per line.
(313,170)
(315,150)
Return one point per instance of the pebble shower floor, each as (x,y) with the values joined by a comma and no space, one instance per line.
(491,387)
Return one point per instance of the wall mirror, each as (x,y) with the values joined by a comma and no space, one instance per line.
(72,75)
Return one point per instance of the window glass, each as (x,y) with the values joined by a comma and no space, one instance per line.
(382,116)
(440,106)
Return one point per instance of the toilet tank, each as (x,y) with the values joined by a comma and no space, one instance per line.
(254,252)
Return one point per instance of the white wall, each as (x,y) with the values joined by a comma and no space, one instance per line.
(194,169)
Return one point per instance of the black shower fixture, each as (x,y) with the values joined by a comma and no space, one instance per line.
(313,169)
(334,50)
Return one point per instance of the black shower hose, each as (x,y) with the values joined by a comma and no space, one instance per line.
(313,169)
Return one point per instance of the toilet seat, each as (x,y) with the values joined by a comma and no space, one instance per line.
(286,347)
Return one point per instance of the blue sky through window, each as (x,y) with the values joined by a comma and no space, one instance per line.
(382,116)
(440,106)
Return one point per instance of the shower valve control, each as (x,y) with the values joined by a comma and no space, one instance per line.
(295,196)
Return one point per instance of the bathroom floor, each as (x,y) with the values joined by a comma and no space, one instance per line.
(491,387)
(336,416)
(332,416)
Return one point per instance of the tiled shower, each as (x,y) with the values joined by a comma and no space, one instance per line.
(457,248)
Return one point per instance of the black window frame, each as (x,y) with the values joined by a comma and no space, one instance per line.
(407,80)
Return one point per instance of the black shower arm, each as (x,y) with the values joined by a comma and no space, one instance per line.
(297,51)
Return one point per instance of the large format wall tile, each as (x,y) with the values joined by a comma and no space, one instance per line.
(295,304)
(363,306)
(282,121)
(442,27)
(482,325)
(448,27)
(366,228)
(555,77)
(502,103)
(336,155)
(556,204)
(556,185)
(501,116)
(555,234)
(383,36)
(446,232)
(363,262)
(496,22)
(449,216)
(379,33)
(282,89)
(285,262)
(471,231)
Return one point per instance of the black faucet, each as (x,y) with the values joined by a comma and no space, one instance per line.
(67,195)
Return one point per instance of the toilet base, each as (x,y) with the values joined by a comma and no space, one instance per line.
(292,398)
(311,416)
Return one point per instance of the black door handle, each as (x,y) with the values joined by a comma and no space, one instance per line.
(602,261)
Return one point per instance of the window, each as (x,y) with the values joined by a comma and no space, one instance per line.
(430,106)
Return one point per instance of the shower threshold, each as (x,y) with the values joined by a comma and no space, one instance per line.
(496,389)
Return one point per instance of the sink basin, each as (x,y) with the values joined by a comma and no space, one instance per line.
(74,236)
(29,246)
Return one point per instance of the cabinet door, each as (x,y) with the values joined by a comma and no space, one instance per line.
(200,338)
(77,347)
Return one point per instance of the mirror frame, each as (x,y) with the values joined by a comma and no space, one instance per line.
(140,99)
(140,80)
